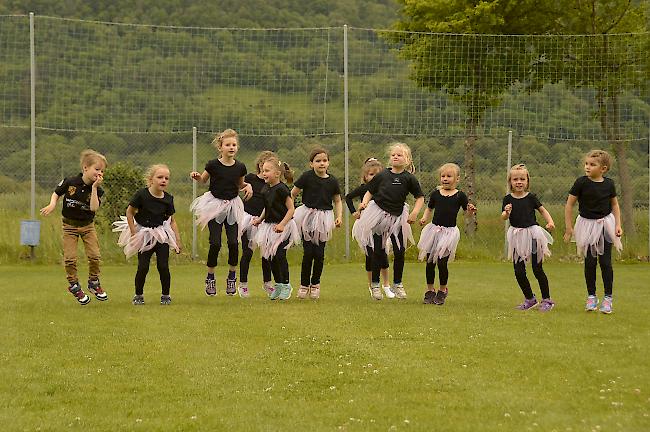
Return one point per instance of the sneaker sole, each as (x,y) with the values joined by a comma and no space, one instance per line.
(84,302)
(101,298)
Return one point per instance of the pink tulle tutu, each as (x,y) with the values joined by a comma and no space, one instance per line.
(592,233)
(268,240)
(207,208)
(145,238)
(520,243)
(249,229)
(374,220)
(438,242)
(315,225)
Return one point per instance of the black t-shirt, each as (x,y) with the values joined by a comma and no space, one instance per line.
(224,180)
(76,198)
(360,191)
(255,204)
(389,190)
(523,210)
(317,192)
(152,211)
(594,198)
(275,202)
(445,208)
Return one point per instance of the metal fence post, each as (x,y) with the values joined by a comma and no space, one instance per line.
(194,245)
(32,70)
(347,137)
(507,222)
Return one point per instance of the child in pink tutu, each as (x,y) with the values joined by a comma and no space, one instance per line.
(149,227)
(277,231)
(439,239)
(315,219)
(253,207)
(221,206)
(370,168)
(385,215)
(598,225)
(527,241)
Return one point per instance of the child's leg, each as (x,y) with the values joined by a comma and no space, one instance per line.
(444,272)
(369,268)
(162,262)
(233,246)
(590,272)
(319,260)
(398,258)
(379,257)
(606,269)
(384,276)
(430,272)
(70,252)
(266,270)
(215,245)
(280,265)
(307,260)
(538,271)
(143,269)
(91,245)
(245,261)
(522,280)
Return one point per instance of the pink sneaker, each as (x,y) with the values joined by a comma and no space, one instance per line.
(314,292)
(303,292)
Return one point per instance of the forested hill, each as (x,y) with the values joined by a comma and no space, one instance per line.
(218,13)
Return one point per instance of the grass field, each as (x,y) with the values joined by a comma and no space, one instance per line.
(344,362)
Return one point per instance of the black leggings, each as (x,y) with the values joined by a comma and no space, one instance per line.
(369,262)
(538,271)
(605,261)
(380,258)
(162,262)
(315,254)
(244,263)
(215,243)
(279,265)
(442,268)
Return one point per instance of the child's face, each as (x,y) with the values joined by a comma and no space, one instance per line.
(160,179)
(519,180)
(91,172)
(397,158)
(270,173)
(320,163)
(229,147)
(448,179)
(594,169)
(371,173)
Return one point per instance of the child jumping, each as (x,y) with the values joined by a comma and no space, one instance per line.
(81,199)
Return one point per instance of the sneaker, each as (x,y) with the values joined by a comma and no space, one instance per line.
(164,300)
(285,293)
(527,304)
(268,288)
(231,286)
(375,292)
(606,305)
(138,300)
(546,305)
(388,293)
(243,289)
(441,296)
(277,290)
(78,293)
(398,290)
(314,292)
(429,297)
(303,292)
(95,288)
(592,303)
(210,287)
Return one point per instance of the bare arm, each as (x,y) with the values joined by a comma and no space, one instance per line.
(568,217)
(294,192)
(51,206)
(200,178)
(550,225)
(338,210)
(130,218)
(505,214)
(419,202)
(426,216)
(616,210)
(258,220)
(246,188)
(287,217)
(366,199)
(94,198)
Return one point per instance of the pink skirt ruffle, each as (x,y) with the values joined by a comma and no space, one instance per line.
(438,242)
(315,225)
(592,233)
(268,240)
(374,220)
(520,243)
(207,208)
(145,238)
(249,229)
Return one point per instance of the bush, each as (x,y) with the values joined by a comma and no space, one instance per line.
(121,181)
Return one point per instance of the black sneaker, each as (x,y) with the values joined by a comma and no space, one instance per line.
(210,287)
(429,297)
(440,297)
(138,300)
(165,300)
(231,286)
(78,293)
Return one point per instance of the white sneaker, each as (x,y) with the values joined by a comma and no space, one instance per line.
(375,292)
(399,291)
(389,294)
(243,289)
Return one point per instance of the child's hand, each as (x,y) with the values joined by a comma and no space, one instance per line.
(471,208)
(133,231)
(337,222)
(423,222)
(194,175)
(412,217)
(256,221)
(568,233)
(356,214)
(279,228)
(550,226)
(361,207)
(619,231)
(507,209)
(98,180)
(248,192)
(178,248)
(47,209)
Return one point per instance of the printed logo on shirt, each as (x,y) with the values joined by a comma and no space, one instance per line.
(397,181)
(72,190)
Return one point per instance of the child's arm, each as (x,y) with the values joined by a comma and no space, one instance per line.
(505,214)
(94,198)
(616,210)
(294,192)
(568,217)
(179,244)
(338,210)
(550,225)
(246,188)
(287,217)
(366,199)
(471,208)
(51,206)
(426,216)
(200,178)
(258,220)
(419,202)
(130,218)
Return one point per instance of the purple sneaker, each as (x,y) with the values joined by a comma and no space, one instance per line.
(210,287)
(546,305)
(231,286)
(527,304)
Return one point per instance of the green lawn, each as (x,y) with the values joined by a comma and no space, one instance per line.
(345,362)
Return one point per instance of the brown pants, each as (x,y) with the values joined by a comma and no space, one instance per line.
(91,245)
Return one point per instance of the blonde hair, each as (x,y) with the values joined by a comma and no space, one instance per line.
(151,171)
(518,167)
(407,155)
(604,158)
(368,165)
(282,167)
(218,138)
(449,166)
(90,157)
(262,157)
